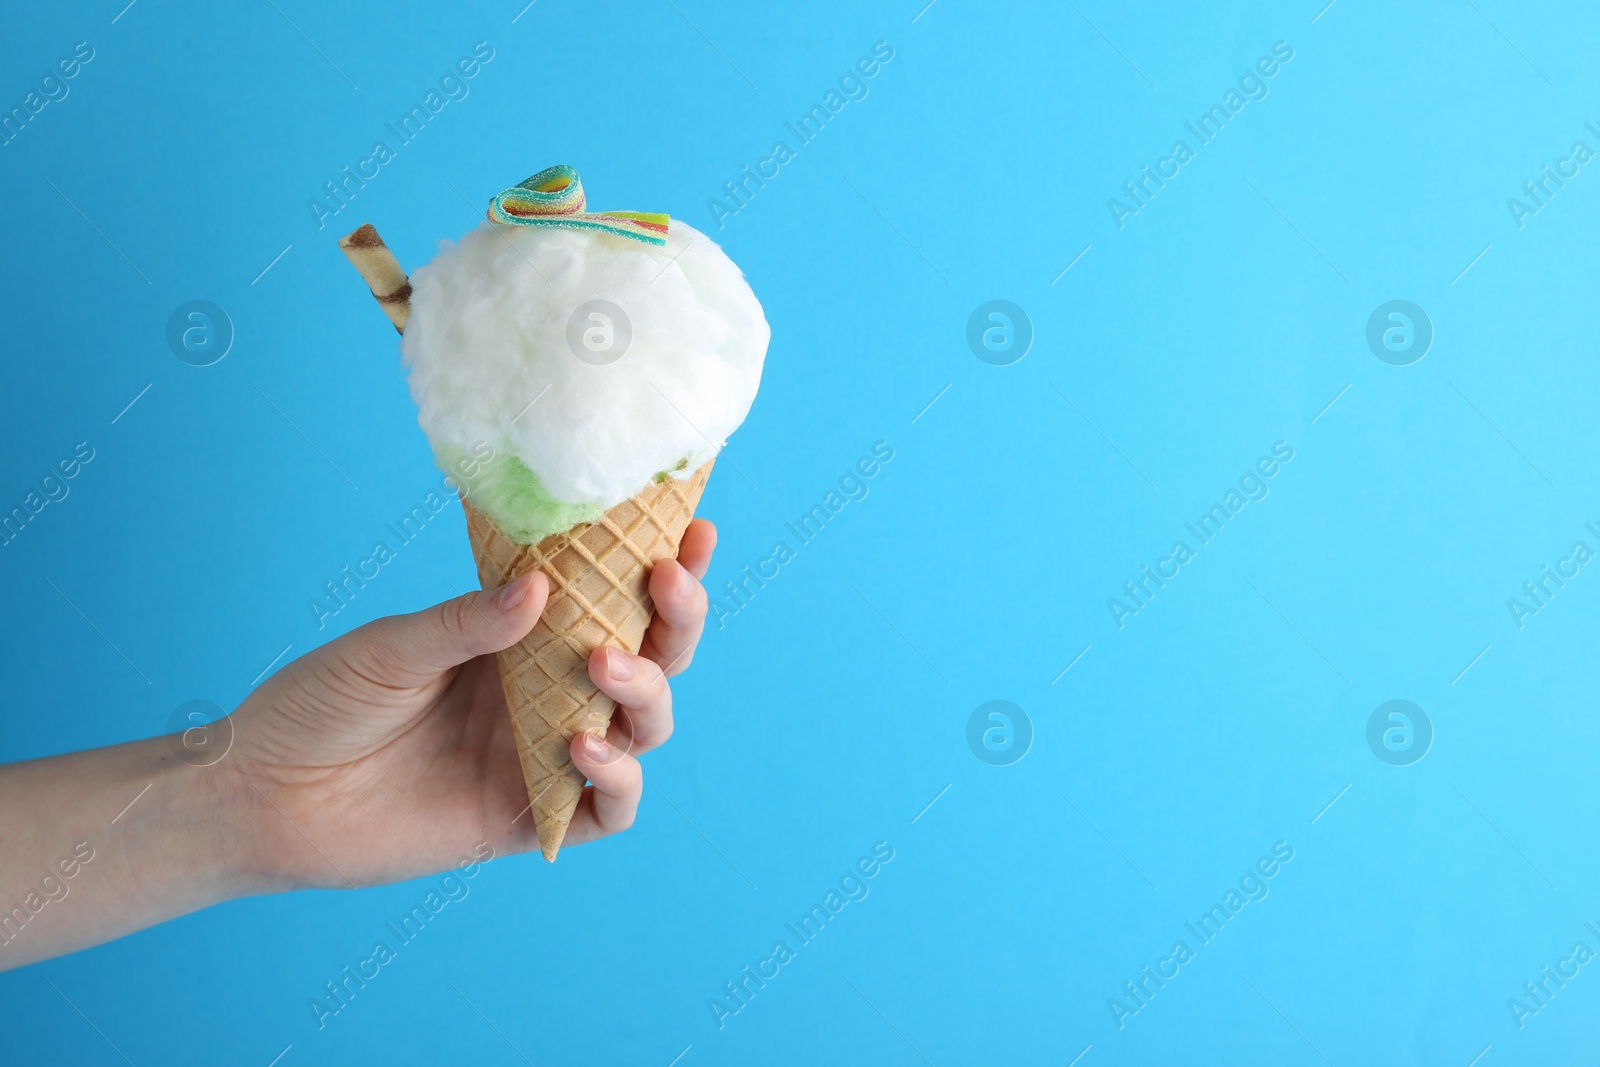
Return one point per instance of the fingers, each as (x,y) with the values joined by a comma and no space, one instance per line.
(644,699)
(694,551)
(639,686)
(616,784)
(428,642)
(680,602)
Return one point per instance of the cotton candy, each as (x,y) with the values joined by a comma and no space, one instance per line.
(509,353)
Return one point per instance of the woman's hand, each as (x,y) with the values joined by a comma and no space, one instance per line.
(383,755)
(388,753)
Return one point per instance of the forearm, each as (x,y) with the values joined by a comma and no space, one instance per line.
(98,844)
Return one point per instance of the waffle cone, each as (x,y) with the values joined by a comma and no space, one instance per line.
(597,574)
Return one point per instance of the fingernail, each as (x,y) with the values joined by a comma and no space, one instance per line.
(618,666)
(685,581)
(597,747)
(513,594)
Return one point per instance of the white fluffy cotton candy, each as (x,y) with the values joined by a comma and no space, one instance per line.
(491,364)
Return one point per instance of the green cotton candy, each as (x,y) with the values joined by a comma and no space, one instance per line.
(514,498)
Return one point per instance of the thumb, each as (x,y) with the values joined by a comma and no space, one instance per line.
(433,640)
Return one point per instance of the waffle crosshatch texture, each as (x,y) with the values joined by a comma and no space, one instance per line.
(598,576)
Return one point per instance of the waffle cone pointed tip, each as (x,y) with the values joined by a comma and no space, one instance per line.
(598,596)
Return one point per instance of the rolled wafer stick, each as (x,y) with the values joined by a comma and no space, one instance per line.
(381,271)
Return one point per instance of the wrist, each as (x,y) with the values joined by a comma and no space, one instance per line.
(209,814)
(133,833)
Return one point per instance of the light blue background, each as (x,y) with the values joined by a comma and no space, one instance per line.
(823,718)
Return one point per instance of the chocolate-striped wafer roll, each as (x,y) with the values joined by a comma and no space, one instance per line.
(369,255)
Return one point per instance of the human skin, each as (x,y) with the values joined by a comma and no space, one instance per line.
(384,755)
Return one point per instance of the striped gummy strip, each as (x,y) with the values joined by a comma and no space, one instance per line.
(554,197)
